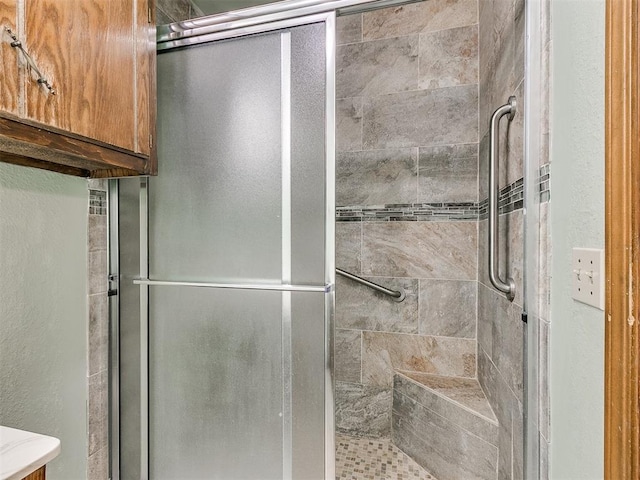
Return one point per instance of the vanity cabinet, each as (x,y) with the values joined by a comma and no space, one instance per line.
(78,86)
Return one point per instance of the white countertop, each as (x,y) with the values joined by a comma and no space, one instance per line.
(22,453)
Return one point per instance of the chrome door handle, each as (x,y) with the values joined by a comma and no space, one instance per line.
(507,287)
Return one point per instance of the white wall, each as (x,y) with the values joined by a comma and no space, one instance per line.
(43,310)
(577,220)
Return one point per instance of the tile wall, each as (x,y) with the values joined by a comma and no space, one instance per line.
(98,342)
(545,250)
(500,329)
(416,88)
(407,196)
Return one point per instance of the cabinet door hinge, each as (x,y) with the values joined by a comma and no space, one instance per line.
(149,14)
(151,141)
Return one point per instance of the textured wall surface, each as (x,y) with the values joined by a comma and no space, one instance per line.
(43,310)
(577,220)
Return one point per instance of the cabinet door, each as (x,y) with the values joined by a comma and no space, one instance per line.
(90,49)
(9,80)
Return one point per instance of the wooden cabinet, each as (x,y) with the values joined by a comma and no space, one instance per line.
(99,58)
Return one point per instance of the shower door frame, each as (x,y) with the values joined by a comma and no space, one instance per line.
(288,13)
(261,24)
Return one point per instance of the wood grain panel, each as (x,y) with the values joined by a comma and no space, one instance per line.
(9,74)
(87,48)
(145,75)
(39,474)
(30,141)
(622,227)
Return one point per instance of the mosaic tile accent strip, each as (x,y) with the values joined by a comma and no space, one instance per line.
(97,202)
(404,212)
(374,459)
(510,199)
(543,182)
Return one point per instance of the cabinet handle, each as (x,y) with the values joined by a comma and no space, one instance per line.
(15,43)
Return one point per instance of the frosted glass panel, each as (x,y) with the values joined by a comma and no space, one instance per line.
(237,378)
(307,351)
(215,384)
(219,133)
(308,153)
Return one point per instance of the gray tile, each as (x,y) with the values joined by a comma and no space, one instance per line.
(349,29)
(505,452)
(349,246)
(504,81)
(485,310)
(363,410)
(442,116)
(377,67)
(506,336)
(98,412)
(544,459)
(501,397)
(347,351)
(419,17)
(440,446)
(349,124)
(544,403)
(383,353)
(361,307)
(512,253)
(503,15)
(449,57)
(517,448)
(162,18)
(519,47)
(376,177)
(98,333)
(483,169)
(459,411)
(97,233)
(544,283)
(420,249)
(483,252)
(98,465)
(512,163)
(448,308)
(97,272)
(486,56)
(176,10)
(448,173)
(97,184)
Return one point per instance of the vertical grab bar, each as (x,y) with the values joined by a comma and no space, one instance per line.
(508,287)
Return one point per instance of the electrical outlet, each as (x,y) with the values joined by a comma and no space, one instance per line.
(588,276)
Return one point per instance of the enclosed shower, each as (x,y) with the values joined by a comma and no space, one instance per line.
(335,273)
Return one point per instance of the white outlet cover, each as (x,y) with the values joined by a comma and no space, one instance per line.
(588,276)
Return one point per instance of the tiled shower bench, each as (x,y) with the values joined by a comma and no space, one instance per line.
(446,425)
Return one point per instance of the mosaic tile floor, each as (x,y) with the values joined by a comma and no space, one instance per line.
(374,459)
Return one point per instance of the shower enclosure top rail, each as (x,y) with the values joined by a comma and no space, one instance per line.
(177,34)
(397,295)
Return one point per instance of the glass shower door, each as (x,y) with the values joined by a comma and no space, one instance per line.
(236,265)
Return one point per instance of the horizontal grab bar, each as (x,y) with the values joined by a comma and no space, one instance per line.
(397,295)
(237,286)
